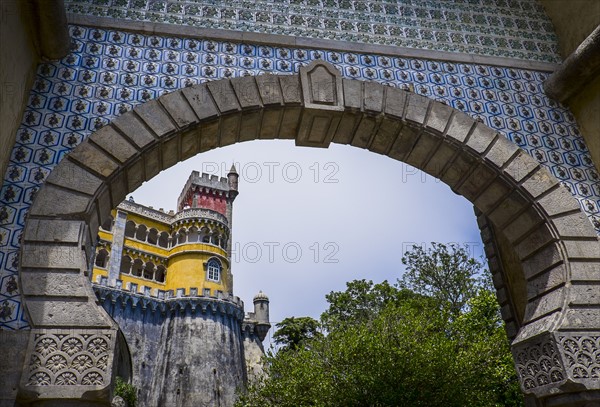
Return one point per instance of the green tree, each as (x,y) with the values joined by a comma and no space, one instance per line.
(423,342)
(294,332)
(361,301)
(443,272)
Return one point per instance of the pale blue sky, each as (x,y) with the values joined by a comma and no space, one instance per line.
(360,209)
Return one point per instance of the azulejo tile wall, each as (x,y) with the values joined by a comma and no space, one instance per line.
(508,28)
(108,72)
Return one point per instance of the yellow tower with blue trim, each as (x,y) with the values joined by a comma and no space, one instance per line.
(183,252)
(165,278)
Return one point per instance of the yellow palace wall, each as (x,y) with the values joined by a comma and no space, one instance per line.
(185,266)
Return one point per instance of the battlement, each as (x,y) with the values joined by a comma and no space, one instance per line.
(190,292)
(214,183)
(121,298)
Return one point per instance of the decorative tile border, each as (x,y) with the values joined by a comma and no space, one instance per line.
(516,29)
(109,71)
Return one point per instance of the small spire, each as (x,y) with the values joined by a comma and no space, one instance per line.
(233,170)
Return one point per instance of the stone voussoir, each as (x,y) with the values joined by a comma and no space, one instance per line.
(539,182)
(179,109)
(55,202)
(395,102)
(559,201)
(72,176)
(521,166)
(133,127)
(481,138)
(48,256)
(502,151)
(439,117)
(93,158)
(54,230)
(575,224)
(201,101)
(269,89)
(114,144)
(460,127)
(416,111)
(247,93)
(54,283)
(373,97)
(156,118)
(353,94)
(224,96)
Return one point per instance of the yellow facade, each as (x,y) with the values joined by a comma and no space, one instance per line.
(185,263)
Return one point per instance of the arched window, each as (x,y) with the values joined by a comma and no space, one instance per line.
(130,229)
(101,258)
(107,225)
(141,233)
(152,236)
(163,240)
(174,239)
(137,268)
(160,274)
(181,236)
(213,270)
(193,235)
(149,271)
(204,237)
(125,265)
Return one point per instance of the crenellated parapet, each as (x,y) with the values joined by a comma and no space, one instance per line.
(203,183)
(169,301)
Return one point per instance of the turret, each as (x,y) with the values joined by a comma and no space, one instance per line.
(232,179)
(261,314)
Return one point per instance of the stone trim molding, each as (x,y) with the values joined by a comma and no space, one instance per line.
(207,215)
(63,361)
(300,42)
(577,71)
(540,221)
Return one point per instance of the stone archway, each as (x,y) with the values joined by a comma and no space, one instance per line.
(541,246)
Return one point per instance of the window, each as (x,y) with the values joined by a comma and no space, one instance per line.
(137,268)
(126,265)
(129,229)
(152,236)
(101,258)
(193,234)
(148,271)
(163,240)
(141,233)
(160,274)
(213,269)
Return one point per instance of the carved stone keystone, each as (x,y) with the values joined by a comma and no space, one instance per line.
(323,104)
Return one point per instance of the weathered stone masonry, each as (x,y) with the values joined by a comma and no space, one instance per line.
(540,221)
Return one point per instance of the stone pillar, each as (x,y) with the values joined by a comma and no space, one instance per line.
(116,252)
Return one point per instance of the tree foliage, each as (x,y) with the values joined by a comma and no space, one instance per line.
(294,332)
(446,273)
(126,391)
(361,301)
(424,342)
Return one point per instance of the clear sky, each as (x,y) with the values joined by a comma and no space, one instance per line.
(308,220)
